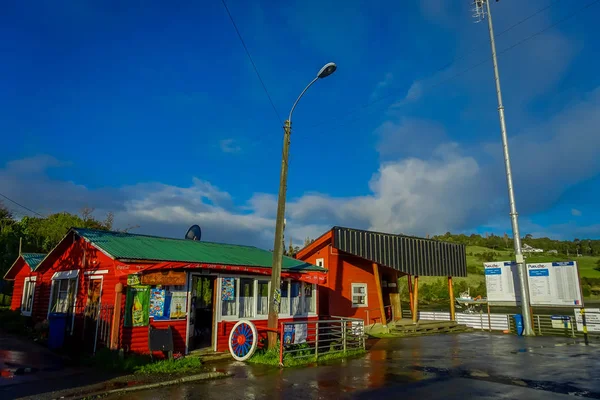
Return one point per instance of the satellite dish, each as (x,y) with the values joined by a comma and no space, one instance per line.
(194,233)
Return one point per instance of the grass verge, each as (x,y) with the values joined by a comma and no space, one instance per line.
(271,357)
(179,366)
(135,363)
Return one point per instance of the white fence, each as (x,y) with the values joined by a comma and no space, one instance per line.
(496,322)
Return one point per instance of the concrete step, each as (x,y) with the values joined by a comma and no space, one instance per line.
(427,328)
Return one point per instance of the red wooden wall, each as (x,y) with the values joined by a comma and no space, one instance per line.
(23,271)
(343,270)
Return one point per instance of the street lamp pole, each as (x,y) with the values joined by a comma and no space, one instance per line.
(527,321)
(327,70)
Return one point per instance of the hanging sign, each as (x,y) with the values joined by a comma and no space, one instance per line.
(133,279)
(178,305)
(228,289)
(137,306)
(164,278)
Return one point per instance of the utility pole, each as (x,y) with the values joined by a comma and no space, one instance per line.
(275,290)
(527,321)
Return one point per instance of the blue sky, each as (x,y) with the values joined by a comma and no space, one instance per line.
(153,111)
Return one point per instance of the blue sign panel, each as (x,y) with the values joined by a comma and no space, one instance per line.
(539,272)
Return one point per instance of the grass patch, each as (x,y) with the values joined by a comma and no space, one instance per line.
(179,366)
(271,357)
(136,363)
(109,360)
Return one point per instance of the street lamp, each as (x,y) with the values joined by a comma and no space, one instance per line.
(324,72)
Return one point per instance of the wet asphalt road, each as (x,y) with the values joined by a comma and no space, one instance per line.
(472,365)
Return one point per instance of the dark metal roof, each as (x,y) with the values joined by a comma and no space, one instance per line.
(410,255)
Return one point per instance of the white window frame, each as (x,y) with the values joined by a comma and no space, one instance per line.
(366,295)
(258,316)
(320,262)
(65,275)
(28,283)
(256,281)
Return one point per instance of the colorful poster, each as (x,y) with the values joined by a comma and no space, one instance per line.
(137,306)
(178,305)
(289,333)
(157,303)
(228,289)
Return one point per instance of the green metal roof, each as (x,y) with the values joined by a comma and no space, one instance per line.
(127,246)
(33,259)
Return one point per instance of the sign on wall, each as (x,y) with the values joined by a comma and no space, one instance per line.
(502,282)
(137,306)
(178,307)
(592,319)
(554,284)
(164,278)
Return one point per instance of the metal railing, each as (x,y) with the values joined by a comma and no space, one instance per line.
(546,325)
(93,322)
(389,315)
(479,321)
(308,340)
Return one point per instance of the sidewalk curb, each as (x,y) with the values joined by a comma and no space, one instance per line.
(186,379)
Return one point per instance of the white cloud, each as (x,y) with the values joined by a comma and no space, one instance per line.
(575,212)
(383,84)
(229,146)
(423,185)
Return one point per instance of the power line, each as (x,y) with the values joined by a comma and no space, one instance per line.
(22,206)
(252,61)
(462,72)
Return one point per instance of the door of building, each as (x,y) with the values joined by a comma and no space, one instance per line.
(91,311)
(202,312)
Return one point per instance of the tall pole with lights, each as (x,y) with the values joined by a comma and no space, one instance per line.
(275,290)
(480,14)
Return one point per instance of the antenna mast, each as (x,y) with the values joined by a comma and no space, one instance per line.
(482,11)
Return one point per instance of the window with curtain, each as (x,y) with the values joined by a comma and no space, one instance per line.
(310,301)
(246,297)
(228,296)
(296,298)
(263,298)
(63,295)
(284,306)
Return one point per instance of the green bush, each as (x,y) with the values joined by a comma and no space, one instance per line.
(474,269)
(13,322)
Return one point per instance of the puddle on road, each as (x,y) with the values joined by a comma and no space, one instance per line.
(549,386)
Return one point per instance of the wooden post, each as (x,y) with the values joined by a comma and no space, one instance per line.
(416,301)
(116,320)
(410,294)
(451,293)
(379,294)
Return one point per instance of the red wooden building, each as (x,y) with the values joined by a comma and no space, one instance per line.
(23,273)
(130,282)
(364,267)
